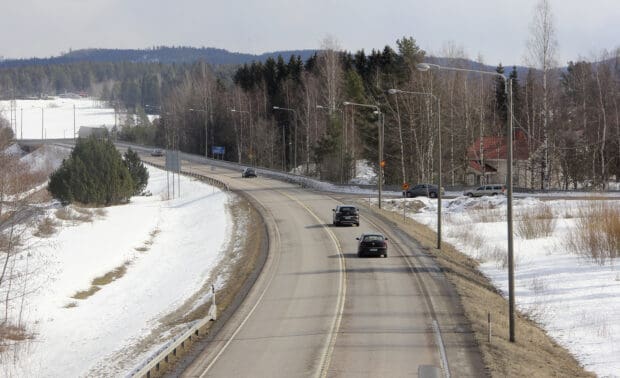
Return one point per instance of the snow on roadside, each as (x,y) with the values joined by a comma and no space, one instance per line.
(576,300)
(168,249)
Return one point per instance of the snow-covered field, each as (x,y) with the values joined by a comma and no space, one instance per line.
(53,118)
(163,252)
(576,300)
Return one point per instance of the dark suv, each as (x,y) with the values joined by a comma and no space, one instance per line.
(425,190)
(248,172)
(346,214)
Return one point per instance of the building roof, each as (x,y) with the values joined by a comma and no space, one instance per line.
(475,165)
(494,148)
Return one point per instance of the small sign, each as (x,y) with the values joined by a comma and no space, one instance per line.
(405,186)
(382,163)
(172,161)
(218,150)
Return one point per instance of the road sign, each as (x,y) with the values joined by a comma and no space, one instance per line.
(218,150)
(405,186)
(382,163)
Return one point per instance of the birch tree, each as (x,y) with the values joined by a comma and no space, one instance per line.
(542,54)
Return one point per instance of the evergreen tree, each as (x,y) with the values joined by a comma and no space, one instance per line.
(93,174)
(137,170)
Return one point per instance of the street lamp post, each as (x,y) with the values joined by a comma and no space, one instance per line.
(508,89)
(294,132)
(439,183)
(250,130)
(206,129)
(380,124)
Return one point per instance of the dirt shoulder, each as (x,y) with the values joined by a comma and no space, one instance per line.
(533,354)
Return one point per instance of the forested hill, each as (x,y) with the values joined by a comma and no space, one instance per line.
(155,55)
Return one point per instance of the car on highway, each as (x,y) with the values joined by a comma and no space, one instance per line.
(248,172)
(157,152)
(346,214)
(486,190)
(374,244)
(424,190)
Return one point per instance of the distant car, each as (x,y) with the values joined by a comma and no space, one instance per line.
(248,172)
(372,245)
(486,190)
(157,152)
(425,190)
(346,214)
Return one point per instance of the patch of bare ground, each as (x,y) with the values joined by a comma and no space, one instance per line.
(100,281)
(533,354)
(149,242)
(241,262)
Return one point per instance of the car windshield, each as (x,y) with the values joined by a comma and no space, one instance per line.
(370,238)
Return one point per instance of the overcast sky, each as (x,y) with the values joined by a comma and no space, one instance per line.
(497,30)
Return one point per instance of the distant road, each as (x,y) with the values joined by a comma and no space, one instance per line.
(317,310)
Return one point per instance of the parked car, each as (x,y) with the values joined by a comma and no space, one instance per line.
(426,190)
(248,172)
(486,190)
(157,152)
(346,214)
(372,245)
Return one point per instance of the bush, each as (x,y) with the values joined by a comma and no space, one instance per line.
(536,222)
(597,234)
(137,170)
(94,174)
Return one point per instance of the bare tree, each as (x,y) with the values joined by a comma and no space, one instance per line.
(542,53)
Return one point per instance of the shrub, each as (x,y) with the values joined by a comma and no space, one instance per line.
(94,174)
(536,222)
(137,170)
(597,233)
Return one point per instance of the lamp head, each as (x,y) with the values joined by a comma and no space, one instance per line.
(276,107)
(346,103)
(393,91)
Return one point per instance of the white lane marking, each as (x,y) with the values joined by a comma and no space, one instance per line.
(328,349)
(258,301)
(429,305)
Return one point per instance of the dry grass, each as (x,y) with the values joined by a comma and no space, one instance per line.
(71,305)
(487,215)
(13,332)
(597,233)
(536,222)
(111,276)
(46,228)
(86,293)
(100,281)
(74,214)
(533,354)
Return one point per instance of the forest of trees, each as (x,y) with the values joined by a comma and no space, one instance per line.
(287,113)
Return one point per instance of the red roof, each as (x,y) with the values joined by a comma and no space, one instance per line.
(487,168)
(494,147)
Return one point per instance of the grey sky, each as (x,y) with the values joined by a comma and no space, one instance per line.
(495,29)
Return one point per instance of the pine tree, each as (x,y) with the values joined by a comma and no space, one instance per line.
(137,170)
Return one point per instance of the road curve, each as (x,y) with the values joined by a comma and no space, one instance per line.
(317,310)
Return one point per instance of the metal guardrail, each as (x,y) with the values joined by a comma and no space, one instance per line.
(153,363)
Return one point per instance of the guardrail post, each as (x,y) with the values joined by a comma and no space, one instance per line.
(213,309)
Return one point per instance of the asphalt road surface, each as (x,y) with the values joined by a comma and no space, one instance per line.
(317,310)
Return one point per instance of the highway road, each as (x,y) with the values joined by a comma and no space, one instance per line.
(317,310)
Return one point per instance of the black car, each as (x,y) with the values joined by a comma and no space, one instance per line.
(425,190)
(248,172)
(372,245)
(346,214)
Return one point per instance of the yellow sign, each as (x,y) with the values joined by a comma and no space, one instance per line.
(382,163)
(405,186)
